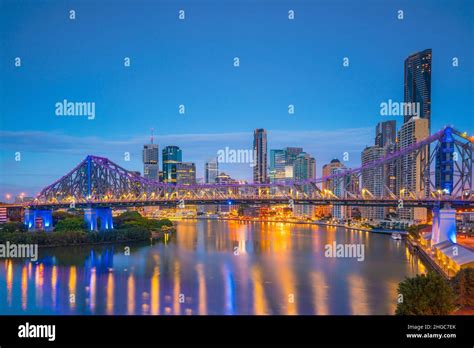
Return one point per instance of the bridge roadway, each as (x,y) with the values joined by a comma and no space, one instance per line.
(409,203)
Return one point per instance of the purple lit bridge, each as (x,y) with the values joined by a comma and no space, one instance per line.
(443,177)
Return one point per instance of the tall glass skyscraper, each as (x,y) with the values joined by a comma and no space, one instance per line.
(277,165)
(418,83)
(260,153)
(385,133)
(211,171)
(172,155)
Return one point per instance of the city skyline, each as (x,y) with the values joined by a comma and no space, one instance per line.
(292,76)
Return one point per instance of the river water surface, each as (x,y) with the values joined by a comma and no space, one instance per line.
(214,267)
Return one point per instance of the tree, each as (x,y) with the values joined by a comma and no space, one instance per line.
(70,224)
(463,285)
(9,227)
(425,295)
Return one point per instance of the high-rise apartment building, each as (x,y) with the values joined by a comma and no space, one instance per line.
(372,181)
(260,153)
(413,171)
(417,86)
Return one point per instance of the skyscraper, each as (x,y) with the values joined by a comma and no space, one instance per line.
(211,171)
(277,165)
(304,167)
(185,173)
(328,169)
(172,155)
(373,181)
(291,153)
(150,157)
(413,171)
(385,133)
(418,83)
(260,153)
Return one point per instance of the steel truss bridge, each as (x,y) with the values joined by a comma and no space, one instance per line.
(444,176)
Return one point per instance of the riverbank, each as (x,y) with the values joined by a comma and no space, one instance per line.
(415,248)
(375,230)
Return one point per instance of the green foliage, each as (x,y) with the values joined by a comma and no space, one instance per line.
(126,217)
(61,215)
(70,230)
(70,224)
(425,295)
(463,285)
(13,227)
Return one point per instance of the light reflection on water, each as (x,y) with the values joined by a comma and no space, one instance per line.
(213,267)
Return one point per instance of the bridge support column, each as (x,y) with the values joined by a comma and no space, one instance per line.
(444,225)
(105,215)
(90,218)
(46,216)
(92,214)
(30,218)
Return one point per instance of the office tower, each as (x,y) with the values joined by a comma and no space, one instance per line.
(172,155)
(291,153)
(277,165)
(260,153)
(413,171)
(211,170)
(150,158)
(373,182)
(418,83)
(385,137)
(385,133)
(304,167)
(185,173)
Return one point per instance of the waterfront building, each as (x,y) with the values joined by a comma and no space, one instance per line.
(304,168)
(372,182)
(412,170)
(328,169)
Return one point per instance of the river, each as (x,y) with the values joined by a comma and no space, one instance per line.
(214,267)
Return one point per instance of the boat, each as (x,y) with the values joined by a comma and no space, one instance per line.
(396,235)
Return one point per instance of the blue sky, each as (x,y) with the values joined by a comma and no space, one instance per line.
(190,62)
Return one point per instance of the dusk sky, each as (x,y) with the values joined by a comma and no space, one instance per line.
(190,62)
